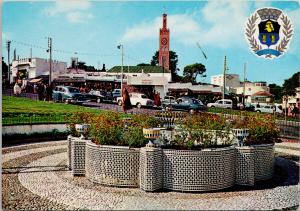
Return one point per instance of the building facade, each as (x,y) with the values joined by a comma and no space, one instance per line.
(232,80)
(255,92)
(28,68)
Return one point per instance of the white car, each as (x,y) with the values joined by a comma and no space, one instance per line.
(267,109)
(137,99)
(224,103)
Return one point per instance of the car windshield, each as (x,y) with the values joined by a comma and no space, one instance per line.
(195,101)
(74,90)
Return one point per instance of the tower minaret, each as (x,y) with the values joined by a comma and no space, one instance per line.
(164,44)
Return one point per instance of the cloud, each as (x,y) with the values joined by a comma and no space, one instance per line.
(78,17)
(295,42)
(224,26)
(180,25)
(74,10)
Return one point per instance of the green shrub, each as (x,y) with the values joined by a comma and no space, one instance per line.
(134,137)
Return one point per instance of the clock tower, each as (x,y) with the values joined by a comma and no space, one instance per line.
(164,35)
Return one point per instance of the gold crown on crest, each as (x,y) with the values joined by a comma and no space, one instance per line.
(268,13)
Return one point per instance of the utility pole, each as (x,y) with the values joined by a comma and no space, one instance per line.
(50,52)
(244,88)
(122,51)
(8,59)
(224,78)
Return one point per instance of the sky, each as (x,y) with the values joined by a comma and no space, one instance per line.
(92,30)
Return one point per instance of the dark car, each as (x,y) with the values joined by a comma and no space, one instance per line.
(186,104)
(115,94)
(96,96)
(68,94)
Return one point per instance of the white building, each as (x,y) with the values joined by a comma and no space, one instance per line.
(28,68)
(232,80)
(154,76)
(255,92)
(292,100)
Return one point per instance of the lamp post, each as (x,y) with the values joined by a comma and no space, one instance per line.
(244,87)
(8,60)
(224,78)
(122,52)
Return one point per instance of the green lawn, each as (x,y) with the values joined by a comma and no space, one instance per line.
(25,105)
(16,110)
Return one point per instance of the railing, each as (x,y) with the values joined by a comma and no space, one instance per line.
(9,92)
(22,119)
(289,129)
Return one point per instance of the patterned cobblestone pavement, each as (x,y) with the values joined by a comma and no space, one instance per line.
(36,177)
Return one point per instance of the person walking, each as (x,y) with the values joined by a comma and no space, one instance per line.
(126,104)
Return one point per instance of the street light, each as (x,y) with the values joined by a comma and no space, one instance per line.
(122,50)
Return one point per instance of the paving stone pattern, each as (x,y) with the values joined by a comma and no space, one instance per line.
(42,181)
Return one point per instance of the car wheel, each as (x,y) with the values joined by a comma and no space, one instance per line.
(99,100)
(191,111)
(119,102)
(138,105)
(212,106)
(258,111)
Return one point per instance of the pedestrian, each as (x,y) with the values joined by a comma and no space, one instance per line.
(126,104)
(294,111)
(17,89)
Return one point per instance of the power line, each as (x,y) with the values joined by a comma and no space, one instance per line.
(30,45)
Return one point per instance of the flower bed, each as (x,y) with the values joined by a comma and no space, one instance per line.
(201,157)
(263,161)
(187,170)
(112,165)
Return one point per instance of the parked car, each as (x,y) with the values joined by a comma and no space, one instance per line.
(95,95)
(168,100)
(68,94)
(189,104)
(267,108)
(224,103)
(138,100)
(115,94)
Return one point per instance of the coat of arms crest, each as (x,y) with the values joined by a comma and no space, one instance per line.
(268,32)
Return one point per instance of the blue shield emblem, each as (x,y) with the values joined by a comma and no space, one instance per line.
(268,32)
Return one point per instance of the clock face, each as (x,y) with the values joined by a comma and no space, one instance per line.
(164,41)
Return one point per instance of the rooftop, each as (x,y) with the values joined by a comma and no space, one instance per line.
(138,69)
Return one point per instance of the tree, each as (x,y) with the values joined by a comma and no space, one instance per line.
(4,70)
(83,66)
(5,82)
(290,85)
(173,64)
(191,72)
(276,91)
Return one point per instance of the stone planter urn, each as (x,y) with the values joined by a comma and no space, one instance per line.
(83,129)
(240,134)
(153,135)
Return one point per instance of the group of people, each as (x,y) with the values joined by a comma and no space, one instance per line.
(126,103)
(44,91)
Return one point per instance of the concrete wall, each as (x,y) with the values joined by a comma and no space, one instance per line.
(182,170)
(29,129)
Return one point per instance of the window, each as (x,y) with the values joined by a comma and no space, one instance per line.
(220,102)
(144,96)
(228,102)
(74,90)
